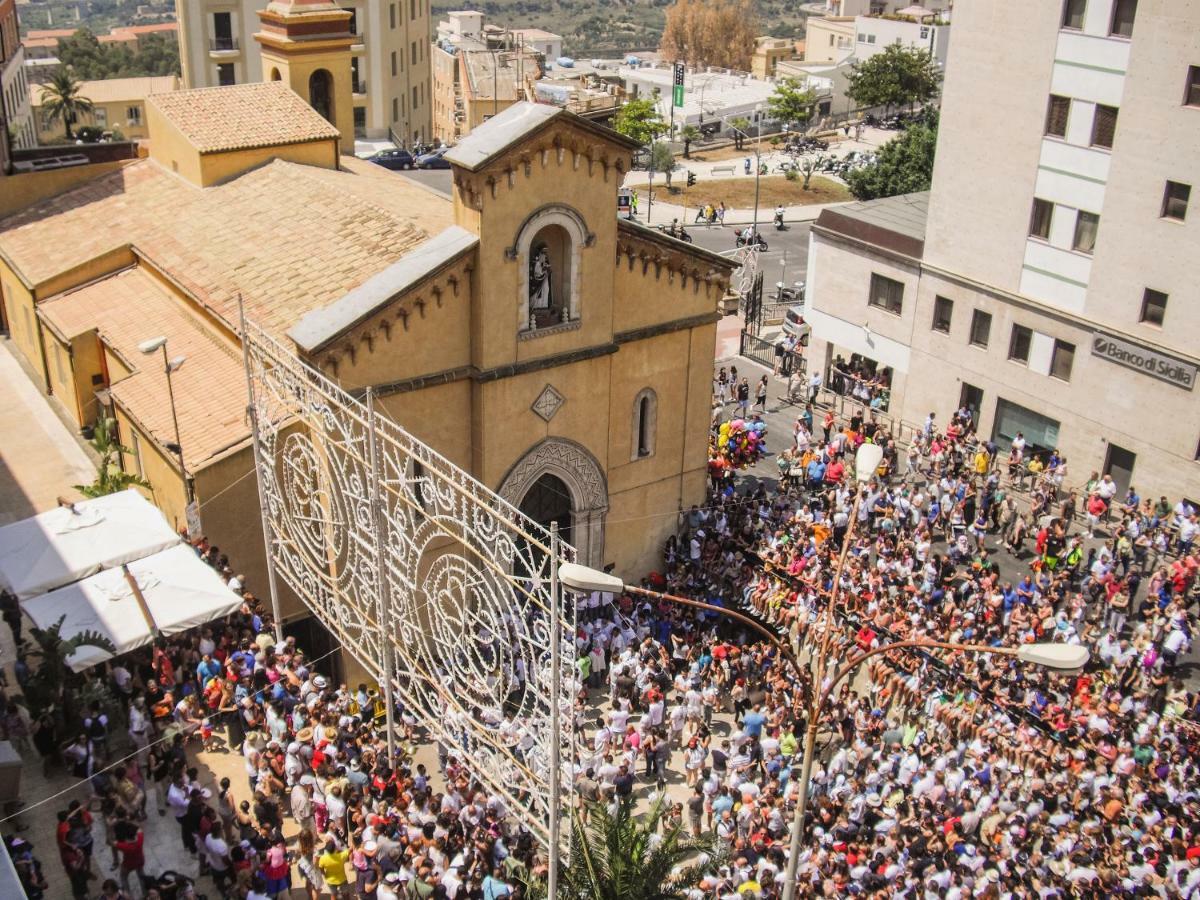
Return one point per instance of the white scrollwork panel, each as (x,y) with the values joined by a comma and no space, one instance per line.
(466,577)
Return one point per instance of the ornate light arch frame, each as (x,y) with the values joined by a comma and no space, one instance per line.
(579,470)
(576,228)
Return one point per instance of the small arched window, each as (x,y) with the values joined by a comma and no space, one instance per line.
(645,424)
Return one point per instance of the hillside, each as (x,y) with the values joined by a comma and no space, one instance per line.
(606,29)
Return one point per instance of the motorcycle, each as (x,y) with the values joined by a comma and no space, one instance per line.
(779,226)
(680,233)
(740,241)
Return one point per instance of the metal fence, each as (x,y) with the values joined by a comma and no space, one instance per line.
(444,592)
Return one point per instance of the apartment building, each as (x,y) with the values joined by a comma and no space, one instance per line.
(1048,280)
(480,69)
(16,115)
(390,61)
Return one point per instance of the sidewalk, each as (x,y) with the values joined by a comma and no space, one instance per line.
(664,213)
(39,459)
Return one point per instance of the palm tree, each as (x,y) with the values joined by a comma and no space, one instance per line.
(44,691)
(688,134)
(620,856)
(61,99)
(110,478)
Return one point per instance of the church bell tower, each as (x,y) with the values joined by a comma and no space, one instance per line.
(306,43)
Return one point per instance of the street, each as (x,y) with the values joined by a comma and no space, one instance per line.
(786,260)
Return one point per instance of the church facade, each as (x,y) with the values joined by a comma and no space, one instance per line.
(559,354)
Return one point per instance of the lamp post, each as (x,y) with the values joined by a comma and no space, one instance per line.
(149,347)
(757,156)
(867,459)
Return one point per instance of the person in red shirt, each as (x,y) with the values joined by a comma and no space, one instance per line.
(835,471)
(130,841)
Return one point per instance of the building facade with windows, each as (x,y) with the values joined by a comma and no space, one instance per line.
(16,115)
(118,107)
(390,59)
(1048,279)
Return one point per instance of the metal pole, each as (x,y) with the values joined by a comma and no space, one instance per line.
(187,482)
(814,710)
(650,190)
(555,704)
(383,590)
(272,586)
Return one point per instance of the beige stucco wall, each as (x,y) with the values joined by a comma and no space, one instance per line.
(1156,141)
(995,73)
(30,187)
(296,69)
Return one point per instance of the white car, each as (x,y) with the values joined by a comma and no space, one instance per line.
(794,324)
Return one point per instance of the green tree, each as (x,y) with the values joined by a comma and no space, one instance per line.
(44,691)
(110,478)
(791,102)
(742,126)
(62,99)
(156,54)
(621,857)
(640,120)
(662,160)
(808,165)
(688,134)
(896,77)
(904,164)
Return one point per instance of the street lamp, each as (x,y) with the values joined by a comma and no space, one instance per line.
(757,156)
(1061,657)
(149,347)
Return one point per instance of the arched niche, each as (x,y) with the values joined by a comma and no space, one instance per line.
(554,235)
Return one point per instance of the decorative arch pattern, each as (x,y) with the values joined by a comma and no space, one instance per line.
(579,470)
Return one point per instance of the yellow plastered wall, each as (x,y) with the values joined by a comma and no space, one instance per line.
(439,417)
(172,150)
(22,319)
(28,188)
(86,360)
(433,336)
(538,179)
(230,515)
(62,377)
(166,489)
(295,71)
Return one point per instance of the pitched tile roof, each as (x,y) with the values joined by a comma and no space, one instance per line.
(242,116)
(130,307)
(289,238)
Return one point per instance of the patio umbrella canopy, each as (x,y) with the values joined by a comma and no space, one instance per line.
(180,589)
(67,544)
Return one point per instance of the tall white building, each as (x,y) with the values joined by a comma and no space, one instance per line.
(390,63)
(1049,279)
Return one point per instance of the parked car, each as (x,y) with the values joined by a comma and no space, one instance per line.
(433,160)
(794,324)
(393,159)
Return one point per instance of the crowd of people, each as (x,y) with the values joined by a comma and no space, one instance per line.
(315,758)
(939,774)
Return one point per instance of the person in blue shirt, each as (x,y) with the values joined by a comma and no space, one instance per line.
(815,473)
(753,721)
(208,669)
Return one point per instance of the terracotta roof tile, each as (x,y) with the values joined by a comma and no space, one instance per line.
(241,116)
(289,238)
(130,307)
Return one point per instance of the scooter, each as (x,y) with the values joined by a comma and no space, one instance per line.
(680,233)
(779,226)
(757,239)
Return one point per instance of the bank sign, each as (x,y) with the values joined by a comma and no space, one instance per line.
(1135,356)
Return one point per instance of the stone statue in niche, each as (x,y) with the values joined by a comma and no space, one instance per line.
(539,279)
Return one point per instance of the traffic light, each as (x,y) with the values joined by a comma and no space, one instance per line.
(691,178)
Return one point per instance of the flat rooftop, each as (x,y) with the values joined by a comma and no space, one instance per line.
(894,223)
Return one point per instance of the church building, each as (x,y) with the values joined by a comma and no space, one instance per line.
(516,325)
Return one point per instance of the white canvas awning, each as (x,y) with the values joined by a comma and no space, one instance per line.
(64,545)
(180,589)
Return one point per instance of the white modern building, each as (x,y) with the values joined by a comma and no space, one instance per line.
(1048,281)
(711,95)
(390,65)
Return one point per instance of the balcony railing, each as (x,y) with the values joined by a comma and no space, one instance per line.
(223,43)
(359,86)
(360,38)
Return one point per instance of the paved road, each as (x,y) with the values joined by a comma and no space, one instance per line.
(786,260)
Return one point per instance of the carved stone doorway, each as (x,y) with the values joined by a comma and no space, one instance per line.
(576,492)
